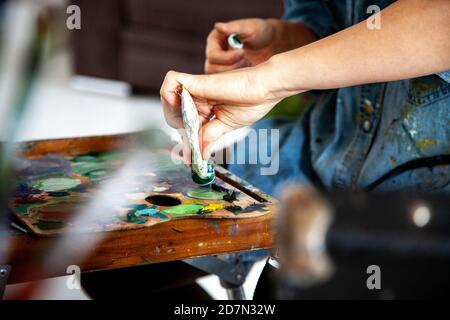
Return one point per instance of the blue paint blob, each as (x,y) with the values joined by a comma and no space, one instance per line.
(154,213)
(24,190)
(48,165)
(138,206)
(132,217)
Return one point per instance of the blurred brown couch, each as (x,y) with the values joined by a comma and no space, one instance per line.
(138,41)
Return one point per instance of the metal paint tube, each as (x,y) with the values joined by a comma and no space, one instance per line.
(235,41)
(202,170)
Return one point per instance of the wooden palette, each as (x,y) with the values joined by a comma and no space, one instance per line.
(94,184)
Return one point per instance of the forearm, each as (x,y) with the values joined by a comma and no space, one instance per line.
(290,35)
(413,41)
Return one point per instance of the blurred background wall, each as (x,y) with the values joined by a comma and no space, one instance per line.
(138,41)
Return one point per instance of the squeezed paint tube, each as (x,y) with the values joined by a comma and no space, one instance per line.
(235,41)
(202,170)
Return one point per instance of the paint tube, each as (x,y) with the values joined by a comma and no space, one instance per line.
(202,170)
(235,41)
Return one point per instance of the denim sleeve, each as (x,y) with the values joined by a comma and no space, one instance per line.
(445,75)
(312,13)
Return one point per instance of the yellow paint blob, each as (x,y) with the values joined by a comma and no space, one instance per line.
(213,207)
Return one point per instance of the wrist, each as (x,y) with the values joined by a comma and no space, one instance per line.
(270,79)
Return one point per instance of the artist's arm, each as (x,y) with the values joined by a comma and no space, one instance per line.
(413,41)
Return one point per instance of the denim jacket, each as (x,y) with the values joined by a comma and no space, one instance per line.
(382,136)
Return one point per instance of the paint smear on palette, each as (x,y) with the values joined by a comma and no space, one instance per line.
(58,194)
(112,156)
(253,207)
(140,213)
(205,193)
(94,167)
(49,165)
(50,225)
(55,214)
(84,168)
(48,193)
(137,206)
(160,189)
(184,209)
(56,184)
(132,217)
(100,156)
(57,209)
(211,208)
(228,195)
(23,190)
(149,212)
(85,158)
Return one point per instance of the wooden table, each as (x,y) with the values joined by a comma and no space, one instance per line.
(33,257)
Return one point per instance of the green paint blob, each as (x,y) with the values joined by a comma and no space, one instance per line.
(24,208)
(136,219)
(85,158)
(85,168)
(56,184)
(100,157)
(50,225)
(138,206)
(205,193)
(97,175)
(112,156)
(184,209)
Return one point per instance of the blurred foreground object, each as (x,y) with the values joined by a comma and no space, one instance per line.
(383,246)
(303,225)
(24,40)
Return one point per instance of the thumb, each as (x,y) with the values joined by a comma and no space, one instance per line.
(210,133)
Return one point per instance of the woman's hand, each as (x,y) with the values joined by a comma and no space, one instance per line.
(224,101)
(262,39)
(258,36)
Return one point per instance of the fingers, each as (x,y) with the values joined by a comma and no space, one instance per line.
(171,99)
(219,57)
(217,49)
(210,133)
(244,27)
(170,89)
(171,96)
